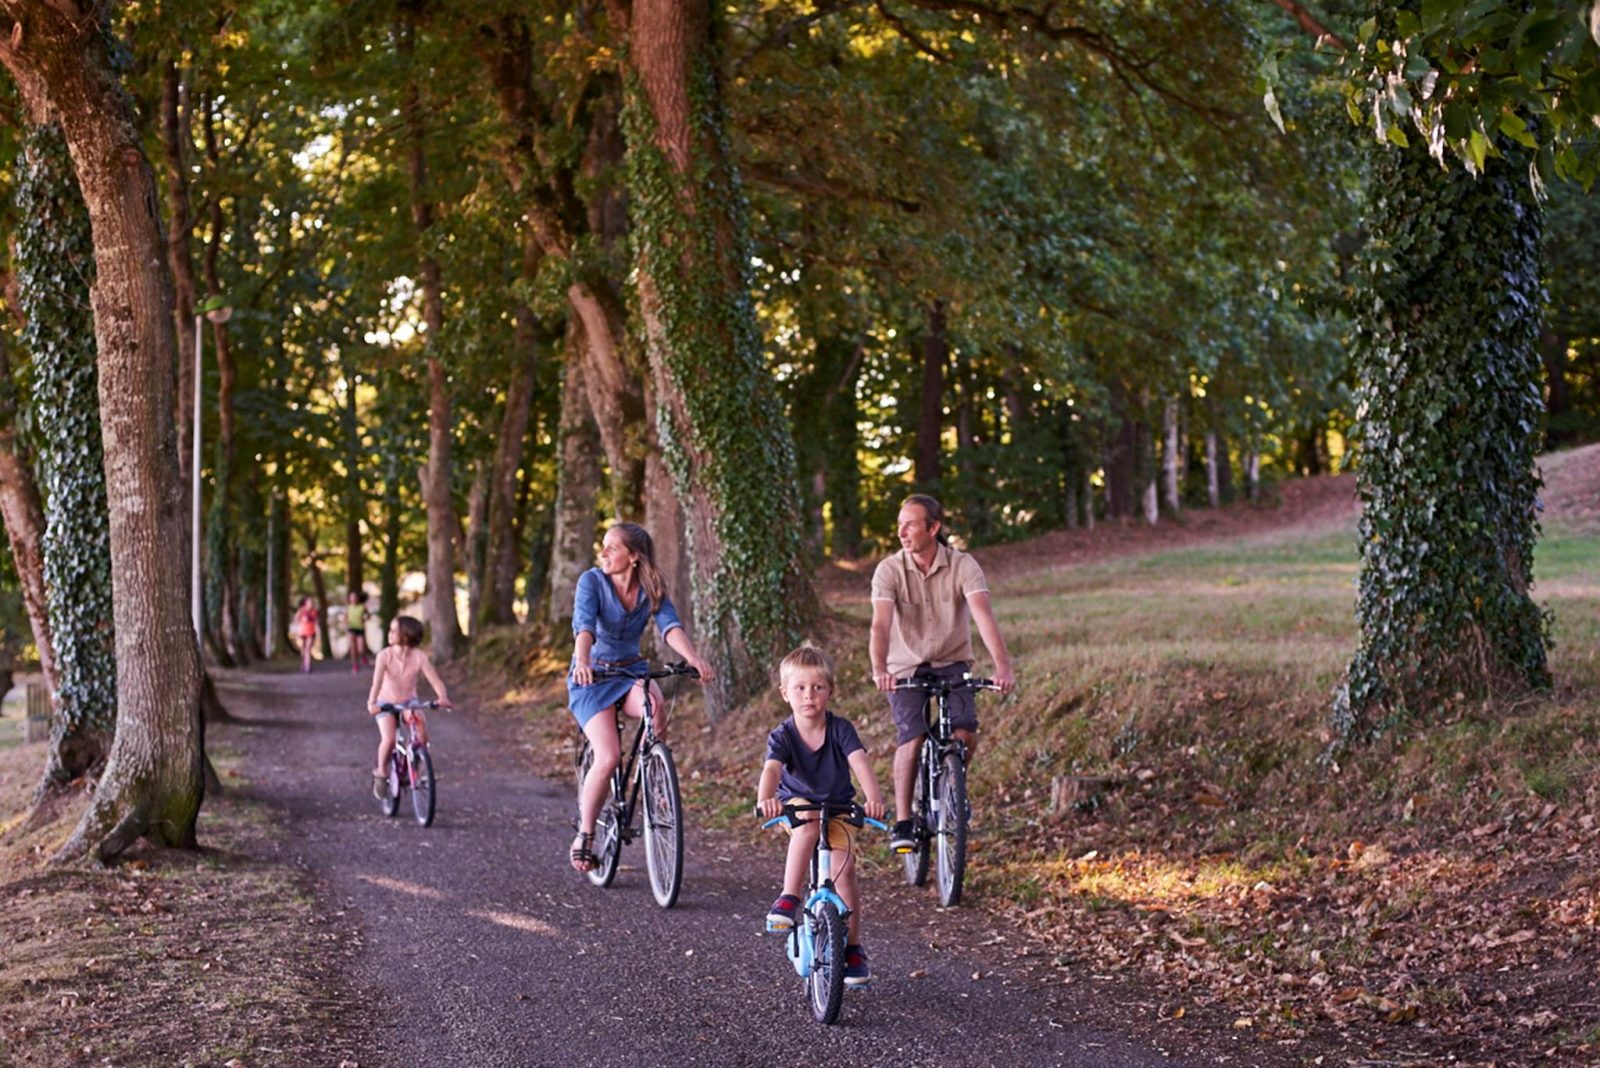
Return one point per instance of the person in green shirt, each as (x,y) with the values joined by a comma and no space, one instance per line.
(355,619)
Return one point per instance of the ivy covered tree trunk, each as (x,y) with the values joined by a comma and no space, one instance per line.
(153,783)
(1448,371)
(55,263)
(722,427)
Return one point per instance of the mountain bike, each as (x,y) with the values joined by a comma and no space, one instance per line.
(647,772)
(816,942)
(410,766)
(939,808)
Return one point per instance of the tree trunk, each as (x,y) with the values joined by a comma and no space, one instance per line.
(175,140)
(726,438)
(1553,347)
(577,490)
(930,409)
(222,593)
(1088,500)
(556,218)
(23,514)
(153,782)
(503,563)
(1171,457)
(319,587)
(355,500)
(436,474)
(1213,482)
(476,535)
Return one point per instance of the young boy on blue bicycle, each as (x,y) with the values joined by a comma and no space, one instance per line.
(809,758)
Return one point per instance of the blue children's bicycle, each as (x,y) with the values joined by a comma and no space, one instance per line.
(816,942)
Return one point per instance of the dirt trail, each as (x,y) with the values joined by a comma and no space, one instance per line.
(481,947)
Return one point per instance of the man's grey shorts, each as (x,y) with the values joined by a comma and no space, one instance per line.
(908,705)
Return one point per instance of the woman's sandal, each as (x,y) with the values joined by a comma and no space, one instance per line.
(583,858)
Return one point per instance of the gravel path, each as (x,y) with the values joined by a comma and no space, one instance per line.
(488,950)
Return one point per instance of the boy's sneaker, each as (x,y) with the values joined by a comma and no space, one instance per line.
(380,788)
(856,972)
(780,917)
(903,839)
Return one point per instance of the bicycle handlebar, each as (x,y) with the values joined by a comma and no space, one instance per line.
(407,706)
(667,671)
(853,814)
(930,684)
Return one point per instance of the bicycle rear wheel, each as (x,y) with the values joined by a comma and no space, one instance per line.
(422,785)
(916,861)
(391,804)
(663,826)
(825,984)
(951,840)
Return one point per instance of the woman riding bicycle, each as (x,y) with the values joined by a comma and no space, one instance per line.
(394,681)
(612,607)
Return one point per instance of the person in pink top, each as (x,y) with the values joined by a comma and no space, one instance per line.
(394,681)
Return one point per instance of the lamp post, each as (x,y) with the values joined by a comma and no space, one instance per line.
(218,315)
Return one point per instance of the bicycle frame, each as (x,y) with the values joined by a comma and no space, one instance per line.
(627,779)
(822,892)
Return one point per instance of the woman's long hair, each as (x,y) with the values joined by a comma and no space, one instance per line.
(637,540)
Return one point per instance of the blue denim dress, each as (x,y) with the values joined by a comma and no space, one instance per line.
(597,609)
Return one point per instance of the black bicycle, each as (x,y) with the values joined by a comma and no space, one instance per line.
(939,809)
(410,766)
(648,772)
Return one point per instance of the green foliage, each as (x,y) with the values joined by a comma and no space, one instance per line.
(1449,427)
(1473,80)
(55,265)
(729,443)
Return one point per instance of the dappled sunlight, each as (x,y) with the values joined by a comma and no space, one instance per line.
(1150,881)
(516,921)
(400,886)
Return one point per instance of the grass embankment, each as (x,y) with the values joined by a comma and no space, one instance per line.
(1151,803)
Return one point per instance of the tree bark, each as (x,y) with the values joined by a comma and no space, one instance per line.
(476,535)
(23,513)
(503,563)
(1171,457)
(436,474)
(724,430)
(153,783)
(1213,482)
(577,490)
(221,535)
(175,140)
(930,408)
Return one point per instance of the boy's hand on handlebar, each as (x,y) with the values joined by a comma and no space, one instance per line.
(874,809)
(770,808)
(445,702)
(373,709)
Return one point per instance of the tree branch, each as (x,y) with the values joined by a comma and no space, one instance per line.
(1311,25)
(798,181)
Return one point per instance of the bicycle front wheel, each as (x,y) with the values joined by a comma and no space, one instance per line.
(391,803)
(952,833)
(663,825)
(916,861)
(825,984)
(422,785)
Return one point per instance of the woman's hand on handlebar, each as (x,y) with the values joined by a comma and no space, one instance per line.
(703,667)
(582,673)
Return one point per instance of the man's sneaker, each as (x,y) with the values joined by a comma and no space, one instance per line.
(856,972)
(780,917)
(903,839)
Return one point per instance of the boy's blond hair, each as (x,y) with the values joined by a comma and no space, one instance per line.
(806,658)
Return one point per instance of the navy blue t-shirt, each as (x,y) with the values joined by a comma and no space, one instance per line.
(815,775)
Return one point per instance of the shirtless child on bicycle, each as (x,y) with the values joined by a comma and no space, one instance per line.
(810,757)
(394,681)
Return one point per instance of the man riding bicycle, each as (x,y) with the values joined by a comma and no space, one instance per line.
(923,600)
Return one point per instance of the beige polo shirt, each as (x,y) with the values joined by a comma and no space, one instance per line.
(931,622)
